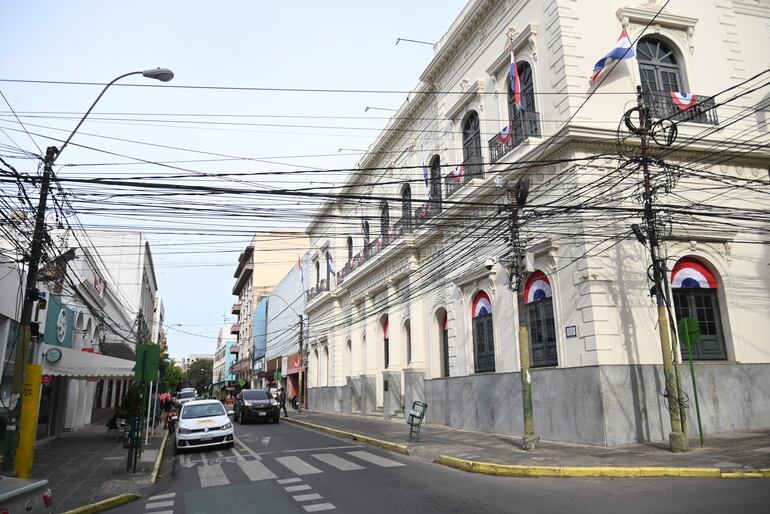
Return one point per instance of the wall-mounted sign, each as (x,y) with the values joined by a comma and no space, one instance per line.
(46,379)
(53,355)
(571,331)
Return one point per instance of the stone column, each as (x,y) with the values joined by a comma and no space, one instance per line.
(420,321)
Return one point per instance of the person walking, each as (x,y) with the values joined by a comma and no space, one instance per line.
(282,402)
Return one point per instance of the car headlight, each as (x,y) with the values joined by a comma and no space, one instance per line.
(184,430)
(227,426)
(273,402)
(247,403)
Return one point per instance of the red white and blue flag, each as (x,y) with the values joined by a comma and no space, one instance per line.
(513,74)
(457,173)
(301,275)
(684,101)
(621,51)
(425,174)
(505,133)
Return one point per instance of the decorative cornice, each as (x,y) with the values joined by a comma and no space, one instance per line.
(471,93)
(524,39)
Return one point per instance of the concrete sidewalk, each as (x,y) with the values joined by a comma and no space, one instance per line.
(730,452)
(89,465)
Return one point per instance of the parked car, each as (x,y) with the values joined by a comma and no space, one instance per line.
(256,404)
(184,396)
(203,423)
(25,495)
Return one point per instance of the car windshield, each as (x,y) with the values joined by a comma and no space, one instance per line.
(186,394)
(255,395)
(202,410)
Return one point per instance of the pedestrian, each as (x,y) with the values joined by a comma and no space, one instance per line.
(282,402)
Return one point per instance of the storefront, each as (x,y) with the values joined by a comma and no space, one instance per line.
(274,374)
(292,375)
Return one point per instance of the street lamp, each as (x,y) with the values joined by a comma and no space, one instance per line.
(21,440)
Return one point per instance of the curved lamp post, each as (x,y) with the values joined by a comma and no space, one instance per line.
(20,442)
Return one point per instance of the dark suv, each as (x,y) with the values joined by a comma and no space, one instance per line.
(256,404)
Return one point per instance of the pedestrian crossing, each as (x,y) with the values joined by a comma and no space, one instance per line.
(231,466)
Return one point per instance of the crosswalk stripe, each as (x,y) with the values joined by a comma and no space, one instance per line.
(289,480)
(212,475)
(318,507)
(337,462)
(161,496)
(158,505)
(297,488)
(307,497)
(375,459)
(298,466)
(255,470)
(161,512)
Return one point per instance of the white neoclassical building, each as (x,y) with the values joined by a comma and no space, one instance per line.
(410,296)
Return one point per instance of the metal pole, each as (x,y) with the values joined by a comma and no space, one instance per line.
(301,364)
(677,438)
(24,346)
(147,423)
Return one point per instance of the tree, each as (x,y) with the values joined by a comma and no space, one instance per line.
(199,372)
(173,376)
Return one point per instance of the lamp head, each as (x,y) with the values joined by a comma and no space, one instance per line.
(162,74)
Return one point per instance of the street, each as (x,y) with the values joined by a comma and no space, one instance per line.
(285,468)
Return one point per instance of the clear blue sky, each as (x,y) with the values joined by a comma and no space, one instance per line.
(321,45)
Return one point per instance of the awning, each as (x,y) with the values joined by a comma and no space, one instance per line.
(77,364)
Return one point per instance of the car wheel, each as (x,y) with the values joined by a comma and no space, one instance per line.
(276,420)
(240,418)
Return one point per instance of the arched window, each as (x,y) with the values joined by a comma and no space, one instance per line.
(538,309)
(472,145)
(695,295)
(325,367)
(527,85)
(350,249)
(386,343)
(384,220)
(444,345)
(435,185)
(317,273)
(483,334)
(315,368)
(658,66)
(329,267)
(408,334)
(406,206)
(347,361)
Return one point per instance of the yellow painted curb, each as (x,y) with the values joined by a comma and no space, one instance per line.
(104,504)
(156,468)
(513,470)
(386,445)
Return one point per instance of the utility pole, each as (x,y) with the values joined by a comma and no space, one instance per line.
(24,355)
(301,363)
(677,438)
(517,195)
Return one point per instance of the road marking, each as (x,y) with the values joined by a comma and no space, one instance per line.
(255,470)
(158,505)
(337,462)
(220,454)
(375,459)
(347,447)
(211,476)
(307,497)
(318,507)
(204,460)
(296,488)
(265,441)
(237,454)
(162,512)
(298,466)
(289,480)
(248,450)
(161,496)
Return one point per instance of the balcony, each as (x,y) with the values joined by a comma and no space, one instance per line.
(236,349)
(426,211)
(397,230)
(663,105)
(473,167)
(322,286)
(236,308)
(235,328)
(525,124)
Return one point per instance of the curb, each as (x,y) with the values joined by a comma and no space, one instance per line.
(104,504)
(512,470)
(159,460)
(386,445)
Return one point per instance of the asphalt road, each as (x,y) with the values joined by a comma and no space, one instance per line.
(284,468)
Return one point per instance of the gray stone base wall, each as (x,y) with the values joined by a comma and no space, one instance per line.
(603,405)
(391,399)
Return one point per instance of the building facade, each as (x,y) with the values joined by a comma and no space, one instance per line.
(224,359)
(420,305)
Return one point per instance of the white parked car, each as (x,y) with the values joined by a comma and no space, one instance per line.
(203,423)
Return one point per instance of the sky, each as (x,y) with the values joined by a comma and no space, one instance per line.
(348,45)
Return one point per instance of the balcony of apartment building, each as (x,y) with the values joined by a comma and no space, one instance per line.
(235,328)
(244,270)
(236,308)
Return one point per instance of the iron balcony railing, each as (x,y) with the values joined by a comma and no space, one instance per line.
(473,167)
(322,286)
(525,124)
(372,248)
(697,109)
(426,211)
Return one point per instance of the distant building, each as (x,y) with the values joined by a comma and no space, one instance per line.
(186,361)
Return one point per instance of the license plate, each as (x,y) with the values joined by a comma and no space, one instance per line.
(205,438)
(262,413)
